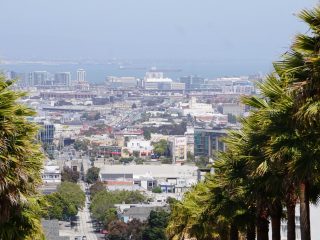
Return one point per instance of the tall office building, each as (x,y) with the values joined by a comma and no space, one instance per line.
(192,82)
(207,142)
(46,133)
(22,79)
(39,78)
(62,78)
(81,75)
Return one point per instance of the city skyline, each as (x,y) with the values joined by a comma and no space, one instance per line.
(159,120)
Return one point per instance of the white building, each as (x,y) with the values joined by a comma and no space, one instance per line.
(122,82)
(195,108)
(178,86)
(157,84)
(239,85)
(173,179)
(178,148)
(158,172)
(81,75)
(51,174)
(154,80)
(142,146)
(189,134)
(236,109)
(200,111)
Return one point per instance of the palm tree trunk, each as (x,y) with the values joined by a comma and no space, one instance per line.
(276,227)
(291,217)
(275,213)
(223,231)
(251,231)
(262,228)
(234,234)
(304,211)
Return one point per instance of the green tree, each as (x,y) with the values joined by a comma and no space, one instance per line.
(157,222)
(300,66)
(105,200)
(161,147)
(136,154)
(271,159)
(72,193)
(166,160)
(97,187)
(135,229)
(55,206)
(68,175)
(110,215)
(118,230)
(146,134)
(92,175)
(279,145)
(190,157)
(187,217)
(132,230)
(21,163)
(126,160)
(202,161)
(156,190)
(251,179)
(139,161)
(81,145)
(232,118)
(126,151)
(100,203)
(58,207)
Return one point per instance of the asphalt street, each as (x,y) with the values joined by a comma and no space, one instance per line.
(85,228)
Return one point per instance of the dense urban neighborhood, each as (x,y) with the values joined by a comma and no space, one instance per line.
(161,155)
(126,149)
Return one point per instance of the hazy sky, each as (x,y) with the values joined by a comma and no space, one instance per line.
(149,29)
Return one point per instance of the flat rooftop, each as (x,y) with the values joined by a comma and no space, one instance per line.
(157,171)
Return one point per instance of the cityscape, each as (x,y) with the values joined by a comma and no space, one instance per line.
(160,150)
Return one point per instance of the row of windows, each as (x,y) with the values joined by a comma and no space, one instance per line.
(50,176)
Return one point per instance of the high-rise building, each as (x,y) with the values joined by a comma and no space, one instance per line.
(39,78)
(207,142)
(62,78)
(20,78)
(81,75)
(192,82)
(178,148)
(11,75)
(46,133)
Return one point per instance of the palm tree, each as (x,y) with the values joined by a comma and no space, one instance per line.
(274,157)
(274,113)
(187,217)
(251,178)
(301,66)
(20,165)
